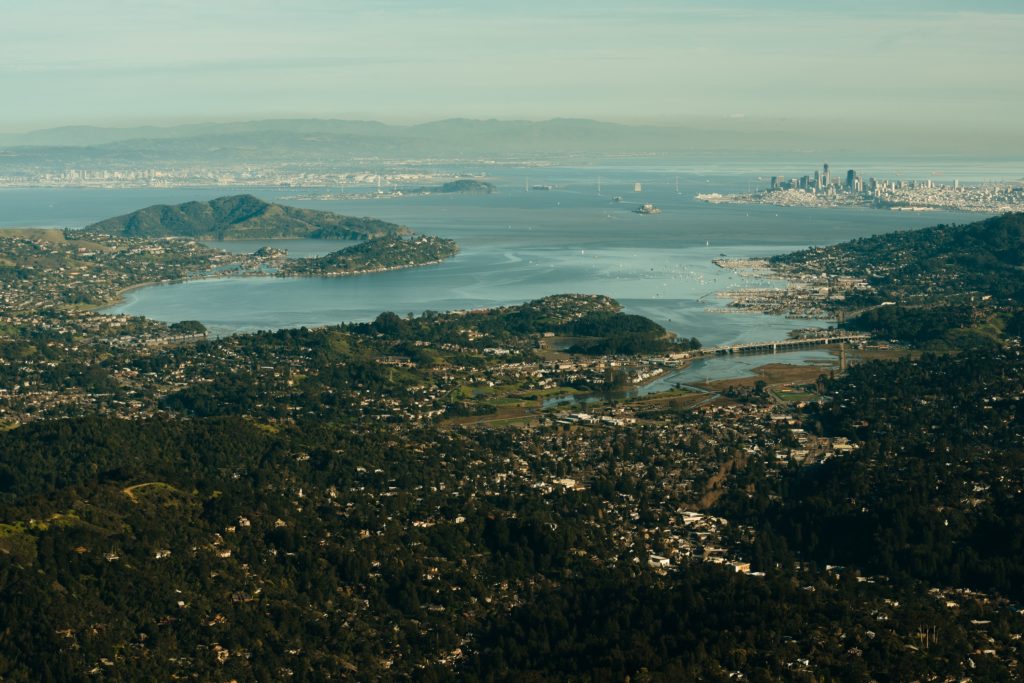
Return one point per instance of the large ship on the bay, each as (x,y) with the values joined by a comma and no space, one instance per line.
(647,209)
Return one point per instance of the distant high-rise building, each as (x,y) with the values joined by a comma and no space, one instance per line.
(817,180)
(851,180)
(826,177)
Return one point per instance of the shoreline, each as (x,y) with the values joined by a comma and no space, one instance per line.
(712,387)
(804,200)
(401,232)
(800,299)
(119,295)
(382,269)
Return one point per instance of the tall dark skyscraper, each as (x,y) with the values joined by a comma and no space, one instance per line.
(826,178)
(851,179)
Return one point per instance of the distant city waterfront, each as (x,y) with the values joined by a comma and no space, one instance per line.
(824,190)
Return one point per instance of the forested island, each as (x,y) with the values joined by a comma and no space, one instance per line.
(397,499)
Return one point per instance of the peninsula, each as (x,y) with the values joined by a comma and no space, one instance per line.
(241,217)
(944,287)
(375,255)
(91,267)
(824,190)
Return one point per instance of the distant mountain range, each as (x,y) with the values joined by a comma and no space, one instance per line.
(462,132)
(329,140)
(242,217)
(325,142)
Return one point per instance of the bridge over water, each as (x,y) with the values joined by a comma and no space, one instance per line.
(785,344)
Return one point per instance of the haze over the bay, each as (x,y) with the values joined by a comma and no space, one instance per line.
(880,72)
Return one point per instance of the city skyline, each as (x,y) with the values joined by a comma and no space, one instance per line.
(877,71)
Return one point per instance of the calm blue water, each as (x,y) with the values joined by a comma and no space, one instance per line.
(703,370)
(516,245)
(734,365)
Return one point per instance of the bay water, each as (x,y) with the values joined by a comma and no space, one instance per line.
(517,244)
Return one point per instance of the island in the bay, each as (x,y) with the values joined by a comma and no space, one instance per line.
(463,185)
(485,495)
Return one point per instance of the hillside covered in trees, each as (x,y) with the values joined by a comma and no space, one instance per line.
(934,491)
(400,500)
(241,217)
(951,285)
(942,263)
(379,253)
(227,547)
(301,504)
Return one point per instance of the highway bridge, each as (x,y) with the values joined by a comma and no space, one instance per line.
(786,344)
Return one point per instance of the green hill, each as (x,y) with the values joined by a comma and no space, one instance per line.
(382,253)
(948,286)
(931,265)
(242,217)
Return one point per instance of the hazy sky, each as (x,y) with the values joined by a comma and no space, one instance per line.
(121,62)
